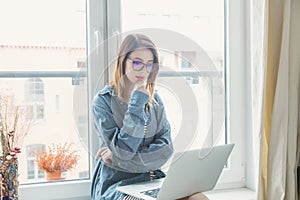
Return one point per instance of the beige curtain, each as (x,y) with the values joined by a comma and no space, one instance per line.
(258,42)
(279,129)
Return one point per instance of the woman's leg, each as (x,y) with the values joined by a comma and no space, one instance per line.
(197,196)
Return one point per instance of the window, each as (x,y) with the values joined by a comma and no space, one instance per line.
(212,74)
(57,103)
(189,70)
(44,69)
(187,58)
(34,97)
(33,172)
(190,37)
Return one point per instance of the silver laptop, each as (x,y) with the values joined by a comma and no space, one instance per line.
(190,172)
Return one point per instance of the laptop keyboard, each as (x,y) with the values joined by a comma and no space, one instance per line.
(152,193)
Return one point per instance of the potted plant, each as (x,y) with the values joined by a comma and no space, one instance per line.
(57,159)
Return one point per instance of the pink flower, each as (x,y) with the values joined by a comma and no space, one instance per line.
(17,148)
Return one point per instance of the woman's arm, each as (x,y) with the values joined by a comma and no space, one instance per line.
(125,143)
(122,141)
(148,158)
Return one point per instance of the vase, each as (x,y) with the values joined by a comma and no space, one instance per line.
(56,175)
(9,179)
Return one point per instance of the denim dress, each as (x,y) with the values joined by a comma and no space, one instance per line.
(139,136)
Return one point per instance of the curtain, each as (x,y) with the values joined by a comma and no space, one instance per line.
(258,41)
(278,123)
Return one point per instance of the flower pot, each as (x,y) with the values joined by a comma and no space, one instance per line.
(56,175)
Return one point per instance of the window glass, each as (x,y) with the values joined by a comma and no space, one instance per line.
(191,79)
(42,68)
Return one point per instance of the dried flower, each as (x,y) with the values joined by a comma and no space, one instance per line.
(14,125)
(12,153)
(57,158)
(8,157)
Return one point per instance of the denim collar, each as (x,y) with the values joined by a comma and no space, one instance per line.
(108,89)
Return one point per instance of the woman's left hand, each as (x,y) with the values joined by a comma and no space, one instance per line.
(105,154)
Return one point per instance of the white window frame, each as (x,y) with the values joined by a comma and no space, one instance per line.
(72,189)
(236,87)
(102,23)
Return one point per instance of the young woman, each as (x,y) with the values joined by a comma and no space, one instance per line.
(135,135)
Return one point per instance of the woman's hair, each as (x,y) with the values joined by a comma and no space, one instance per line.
(120,81)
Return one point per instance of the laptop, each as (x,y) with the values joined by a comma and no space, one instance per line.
(190,172)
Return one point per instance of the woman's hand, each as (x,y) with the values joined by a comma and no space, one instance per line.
(105,154)
(142,88)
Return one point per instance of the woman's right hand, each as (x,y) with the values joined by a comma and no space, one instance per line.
(105,154)
(142,88)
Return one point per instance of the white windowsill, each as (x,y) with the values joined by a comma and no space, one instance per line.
(231,194)
(72,191)
(61,190)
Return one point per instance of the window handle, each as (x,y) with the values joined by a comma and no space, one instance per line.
(116,34)
(98,36)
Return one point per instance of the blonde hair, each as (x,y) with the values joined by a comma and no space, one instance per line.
(120,81)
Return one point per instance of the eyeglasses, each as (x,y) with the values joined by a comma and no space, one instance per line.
(138,66)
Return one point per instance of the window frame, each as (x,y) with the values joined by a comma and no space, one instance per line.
(102,24)
(236,86)
(68,189)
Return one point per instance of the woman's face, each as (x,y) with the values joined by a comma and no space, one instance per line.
(139,65)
